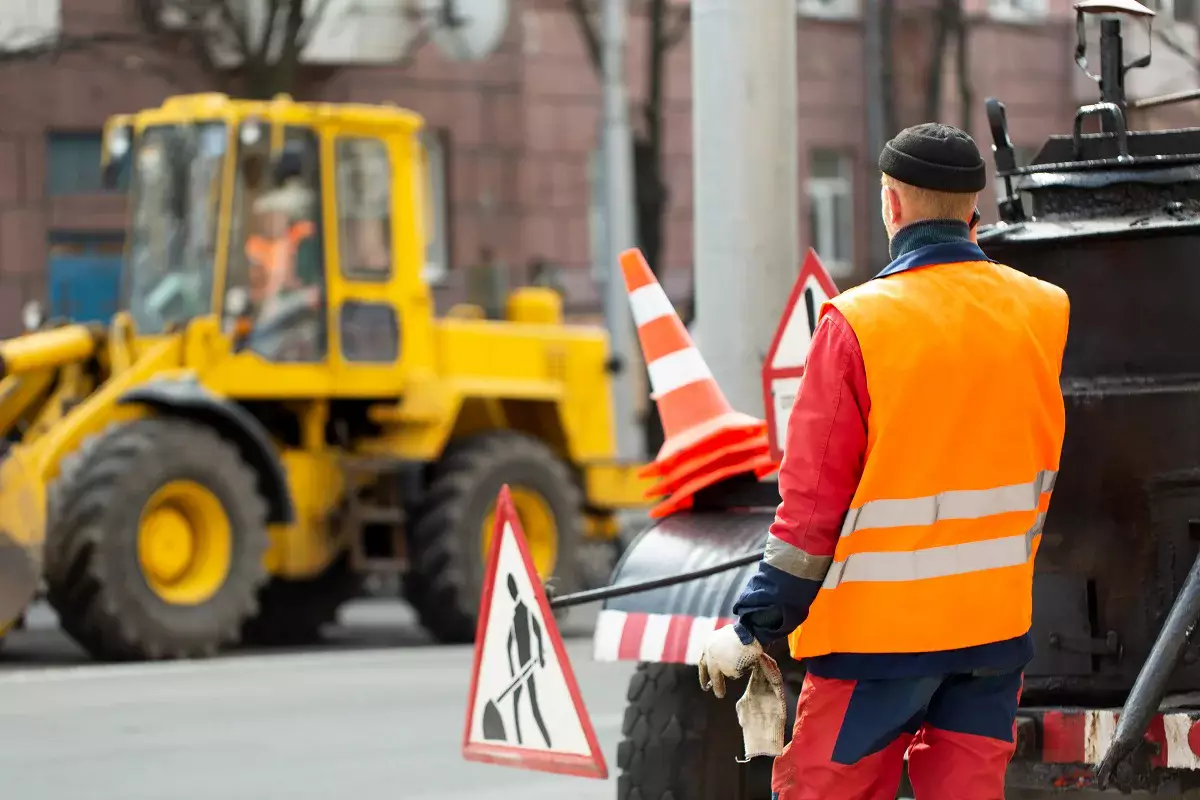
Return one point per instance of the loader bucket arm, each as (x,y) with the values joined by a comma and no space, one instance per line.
(22,531)
(28,467)
(46,349)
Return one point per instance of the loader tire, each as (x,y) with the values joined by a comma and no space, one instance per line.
(292,612)
(96,572)
(445,578)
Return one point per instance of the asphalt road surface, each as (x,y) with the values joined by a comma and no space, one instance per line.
(376,713)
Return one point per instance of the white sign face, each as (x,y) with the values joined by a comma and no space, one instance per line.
(783,395)
(799,326)
(522,701)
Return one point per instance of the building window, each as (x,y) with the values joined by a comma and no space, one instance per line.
(828,9)
(1018,10)
(73,164)
(831,209)
(437,206)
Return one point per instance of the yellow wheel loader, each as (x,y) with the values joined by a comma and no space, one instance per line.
(276,412)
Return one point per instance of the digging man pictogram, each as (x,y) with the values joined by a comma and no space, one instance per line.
(525,628)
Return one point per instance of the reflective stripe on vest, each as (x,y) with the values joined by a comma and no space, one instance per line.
(936,562)
(964,437)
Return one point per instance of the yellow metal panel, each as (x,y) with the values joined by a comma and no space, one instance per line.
(614,485)
(305,548)
(603,527)
(281,109)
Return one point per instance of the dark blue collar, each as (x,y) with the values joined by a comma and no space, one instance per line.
(934,241)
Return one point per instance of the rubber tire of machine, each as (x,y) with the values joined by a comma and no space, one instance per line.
(680,742)
(93,577)
(291,613)
(445,576)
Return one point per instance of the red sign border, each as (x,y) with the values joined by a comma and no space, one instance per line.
(507,755)
(811,268)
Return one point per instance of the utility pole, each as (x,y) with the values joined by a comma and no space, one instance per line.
(877,133)
(746,174)
(619,230)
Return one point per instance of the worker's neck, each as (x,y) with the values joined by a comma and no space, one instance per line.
(926,232)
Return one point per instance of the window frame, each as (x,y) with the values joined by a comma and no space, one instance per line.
(434,176)
(823,194)
(385,177)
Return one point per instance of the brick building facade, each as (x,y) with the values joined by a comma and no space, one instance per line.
(519,132)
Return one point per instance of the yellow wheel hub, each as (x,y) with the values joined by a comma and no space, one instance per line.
(539,525)
(185,543)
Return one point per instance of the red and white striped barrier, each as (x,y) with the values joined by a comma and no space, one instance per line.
(653,638)
(1083,737)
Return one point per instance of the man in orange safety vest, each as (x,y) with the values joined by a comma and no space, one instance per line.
(920,457)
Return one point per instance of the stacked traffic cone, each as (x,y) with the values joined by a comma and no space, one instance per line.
(706,441)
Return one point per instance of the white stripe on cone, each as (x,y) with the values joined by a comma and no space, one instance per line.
(676,370)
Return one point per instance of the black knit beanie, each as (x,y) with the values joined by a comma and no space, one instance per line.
(933,156)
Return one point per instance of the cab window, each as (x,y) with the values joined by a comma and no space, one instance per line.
(275,257)
(364,208)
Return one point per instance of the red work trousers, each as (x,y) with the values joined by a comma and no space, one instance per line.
(851,736)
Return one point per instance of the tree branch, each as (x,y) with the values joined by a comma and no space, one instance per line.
(234,22)
(1176,48)
(311,23)
(263,52)
(582,11)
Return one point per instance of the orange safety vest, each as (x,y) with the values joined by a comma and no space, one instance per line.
(277,256)
(964,436)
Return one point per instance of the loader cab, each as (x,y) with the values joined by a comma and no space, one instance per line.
(297,230)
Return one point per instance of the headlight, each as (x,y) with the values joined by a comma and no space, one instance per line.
(32,315)
(251,132)
(118,142)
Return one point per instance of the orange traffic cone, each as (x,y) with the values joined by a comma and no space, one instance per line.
(695,415)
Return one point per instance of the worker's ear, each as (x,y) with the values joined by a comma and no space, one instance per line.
(891,207)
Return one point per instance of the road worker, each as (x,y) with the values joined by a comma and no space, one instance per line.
(921,452)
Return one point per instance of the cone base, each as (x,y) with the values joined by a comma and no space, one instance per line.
(688,470)
(683,498)
(718,432)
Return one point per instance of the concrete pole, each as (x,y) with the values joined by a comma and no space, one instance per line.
(877,135)
(619,230)
(746,178)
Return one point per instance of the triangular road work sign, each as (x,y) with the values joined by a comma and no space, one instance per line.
(524,709)
(784,364)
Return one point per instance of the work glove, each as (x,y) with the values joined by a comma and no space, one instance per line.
(762,711)
(725,656)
